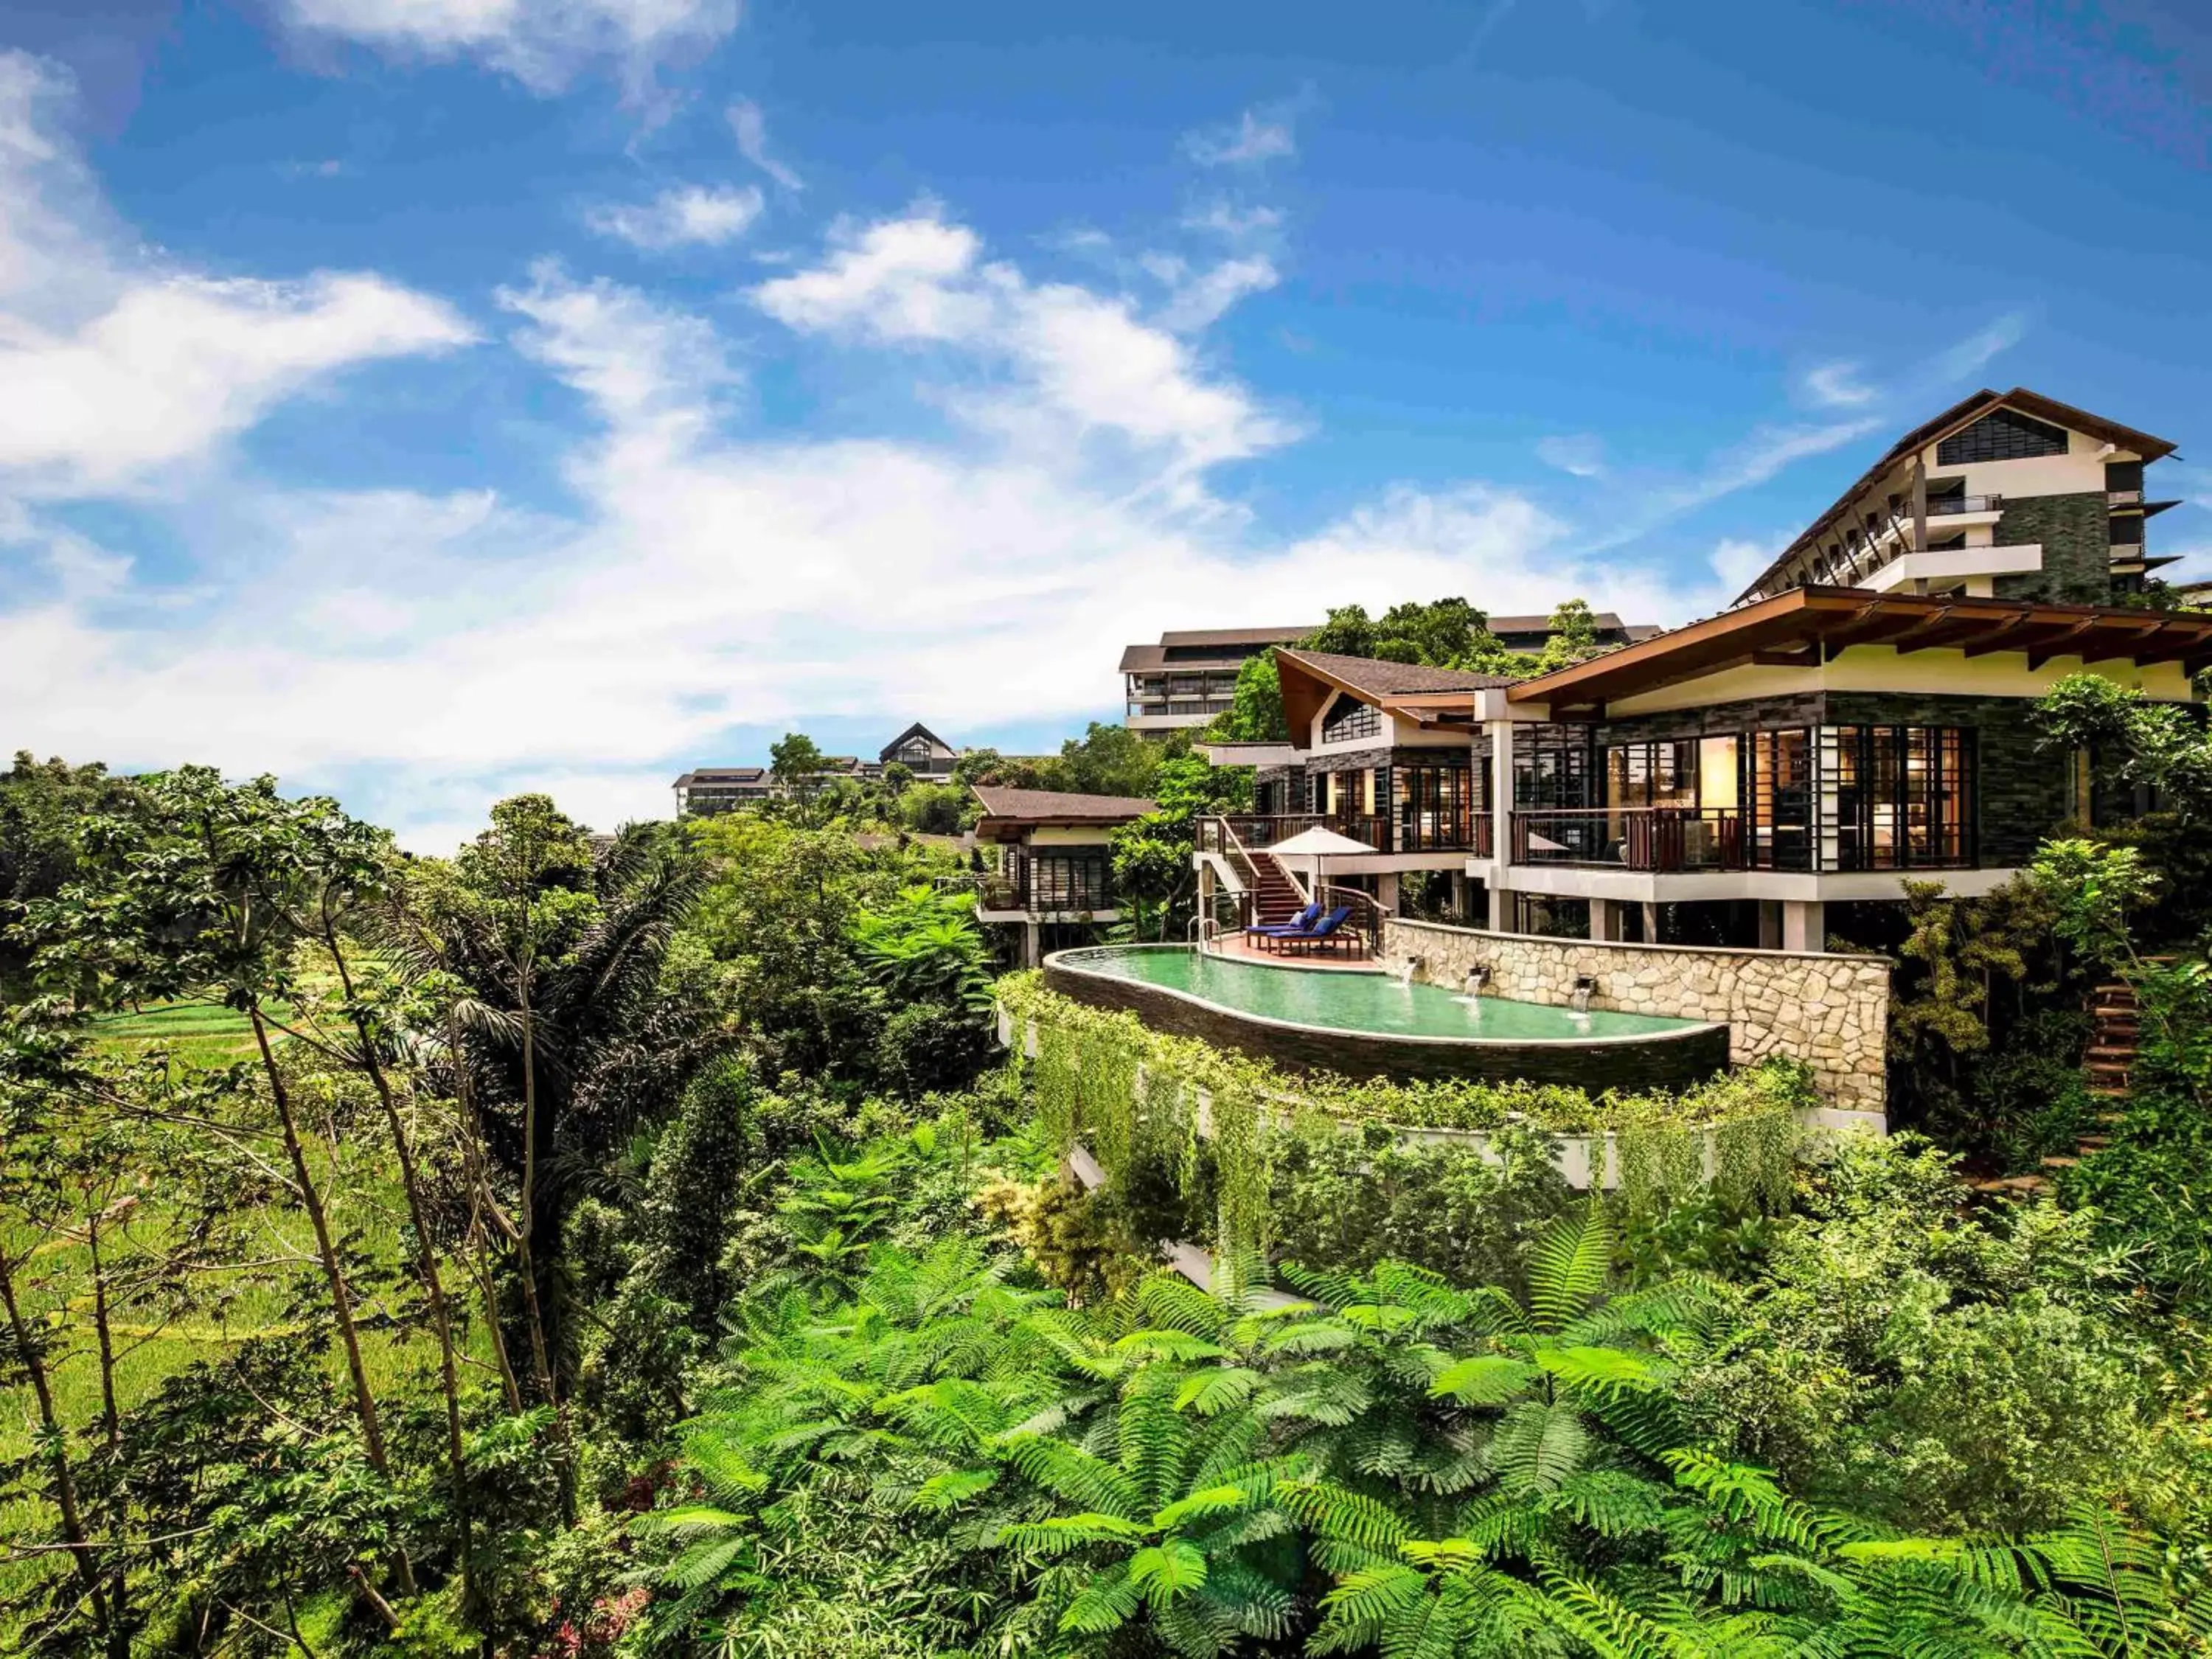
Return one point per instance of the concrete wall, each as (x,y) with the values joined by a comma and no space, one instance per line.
(1831,1011)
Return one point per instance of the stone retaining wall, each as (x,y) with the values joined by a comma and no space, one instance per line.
(1831,1011)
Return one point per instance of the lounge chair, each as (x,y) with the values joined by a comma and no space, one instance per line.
(1260,932)
(1323,933)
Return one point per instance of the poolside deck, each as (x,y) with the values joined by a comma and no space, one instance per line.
(1237,946)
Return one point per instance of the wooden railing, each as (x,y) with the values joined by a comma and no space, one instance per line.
(1661,838)
(1260,830)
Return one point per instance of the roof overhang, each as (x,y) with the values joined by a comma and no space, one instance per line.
(1807,626)
(1307,687)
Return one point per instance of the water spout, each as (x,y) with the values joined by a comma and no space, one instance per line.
(1580,1000)
(1408,968)
(1477,977)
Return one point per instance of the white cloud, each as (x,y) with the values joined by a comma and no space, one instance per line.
(750,126)
(116,364)
(1235,222)
(544,44)
(1251,139)
(1838,385)
(1198,298)
(1582,453)
(1074,362)
(688,215)
(1972,354)
(424,652)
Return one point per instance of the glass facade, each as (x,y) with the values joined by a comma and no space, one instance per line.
(1836,798)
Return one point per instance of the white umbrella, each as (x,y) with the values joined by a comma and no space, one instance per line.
(1318,843)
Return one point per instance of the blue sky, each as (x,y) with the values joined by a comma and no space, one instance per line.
(426,400)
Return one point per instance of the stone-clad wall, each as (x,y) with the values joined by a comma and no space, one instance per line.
(2076,535)
(1831,1011)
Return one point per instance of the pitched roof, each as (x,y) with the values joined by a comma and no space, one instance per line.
(917,730)
(1060,805)
(1960,415)
(1375,677)
(722,774)
(1802,625)
(1237,635)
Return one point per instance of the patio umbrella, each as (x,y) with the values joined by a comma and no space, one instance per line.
(1318,843)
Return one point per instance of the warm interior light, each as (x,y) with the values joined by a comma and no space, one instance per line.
(1717,772)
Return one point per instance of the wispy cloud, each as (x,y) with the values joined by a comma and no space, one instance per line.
(544,44)
(1972,355)
(687,215)
(1838,385)
(750,126)
(1582,453)
(1252,138)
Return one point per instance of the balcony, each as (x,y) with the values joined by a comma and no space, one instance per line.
(1945,506)
(1666,839)
(1260,830)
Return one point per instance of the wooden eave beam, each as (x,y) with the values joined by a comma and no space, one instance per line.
(2066,642)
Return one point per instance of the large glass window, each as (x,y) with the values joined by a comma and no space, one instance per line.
(1896,796)
(1778,811)
(1067,881)
(1435,807)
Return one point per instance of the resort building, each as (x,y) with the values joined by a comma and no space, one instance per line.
(1055,875)
(711,789)
(921,752)
(2009,495)
(1188,677)
(1771,777)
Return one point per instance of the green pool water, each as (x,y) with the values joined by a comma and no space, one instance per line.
(1360,1002)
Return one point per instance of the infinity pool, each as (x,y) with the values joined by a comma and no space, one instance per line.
(1373,1024)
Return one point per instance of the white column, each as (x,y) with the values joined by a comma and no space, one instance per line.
(1651,924)
(1386,891)
(1501,826)
(1031,933)
(1804,925)
(1605,919)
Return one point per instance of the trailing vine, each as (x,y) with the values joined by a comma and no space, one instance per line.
(1141,1099)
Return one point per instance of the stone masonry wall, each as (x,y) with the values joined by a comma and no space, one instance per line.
(2076,535)
(1831,1011)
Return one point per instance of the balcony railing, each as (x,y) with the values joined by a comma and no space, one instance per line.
(1260,830)
(1660,838)
(1944,506)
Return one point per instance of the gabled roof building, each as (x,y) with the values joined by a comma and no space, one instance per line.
(1774,774)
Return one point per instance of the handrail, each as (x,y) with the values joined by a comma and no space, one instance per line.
(1363,905)
(1941,506)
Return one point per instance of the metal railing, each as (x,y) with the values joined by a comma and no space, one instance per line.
(1659,838)
(1265,830)
(1944,506)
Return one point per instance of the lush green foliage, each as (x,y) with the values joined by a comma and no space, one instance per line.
(598,1249)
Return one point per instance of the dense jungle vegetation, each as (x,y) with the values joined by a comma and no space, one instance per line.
(585,1247)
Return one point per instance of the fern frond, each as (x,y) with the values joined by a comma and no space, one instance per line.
(1567,1271)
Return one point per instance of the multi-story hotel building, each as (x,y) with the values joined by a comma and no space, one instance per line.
(1190,677)
(1761,778)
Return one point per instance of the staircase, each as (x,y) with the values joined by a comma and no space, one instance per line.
(2114,1036)
(1276,898)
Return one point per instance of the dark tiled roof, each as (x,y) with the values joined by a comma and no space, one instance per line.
(1237,635)
(722,774)
(1378,679)
(1059,805)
